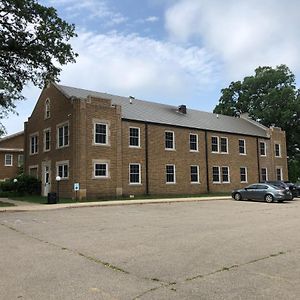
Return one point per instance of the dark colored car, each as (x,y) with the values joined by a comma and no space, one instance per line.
(297,187)
(286,185)
(262,191)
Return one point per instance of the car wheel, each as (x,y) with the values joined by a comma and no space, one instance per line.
(269,198)
(237,196)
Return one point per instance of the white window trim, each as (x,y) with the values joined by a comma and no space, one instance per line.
(12,160)
(173,182)
(140,174)
(44,139)
(279,156)
(197,146)
(220,148)
(107,125)
(139,137)
(218,140)
(267,177)
(37,142)
(245,148)
(263,155)
(19,164)
(281,173)
(246,174)
(216,182)
(104,162)
(198,174)
(174,147)
(57,135)
(226,182)
(34,167)
(45,112)
(62,163)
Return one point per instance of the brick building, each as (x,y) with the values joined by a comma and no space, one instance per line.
(11,155)
(114,145)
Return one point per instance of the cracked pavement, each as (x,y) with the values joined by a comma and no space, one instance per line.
(196,250)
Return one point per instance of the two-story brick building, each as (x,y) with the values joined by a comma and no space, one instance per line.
(114,145)
(11,155)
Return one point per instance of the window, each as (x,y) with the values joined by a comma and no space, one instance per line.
(214,144)
(170,174)
(47,139)
(242,146)
(47,108)
(169,140)
(135,174)
(264,174)
(101,132)
(243,174)
(8,161)
(277,150)
(63,135)
(216,174)
(34,144)
(62,169)
(20,160)
(134,137)
(262,148)
(33,171)
(193,142)
(279,173)
(100,170)
(224,145)
(194,174)
(225,175)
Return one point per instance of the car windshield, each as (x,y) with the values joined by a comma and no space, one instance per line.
(277,187)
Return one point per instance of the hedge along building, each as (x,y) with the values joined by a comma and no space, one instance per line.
(11,155)
(114,145)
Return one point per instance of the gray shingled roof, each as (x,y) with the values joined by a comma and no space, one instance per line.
(152,112)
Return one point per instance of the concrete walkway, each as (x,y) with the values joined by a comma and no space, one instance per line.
(26,206)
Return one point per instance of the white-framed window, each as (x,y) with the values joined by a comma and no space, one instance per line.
(277,150)
(62,169)
(215,144)
(262,149)
(33,142)
(169,140)
(195,174)
(47,108)
(63,135)
(135,173)
(134,137)
(34,171)
(193,142)
(216,174)
(225,175)
(101,133)
(279,173)
(8,160)
(242,146)
(224,145)
(47,139)
(20,160)
(170,174)
(243,175)
(263,174)
(101,169)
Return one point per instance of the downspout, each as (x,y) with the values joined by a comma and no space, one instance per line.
(146,158)
(258,163)
(206,162)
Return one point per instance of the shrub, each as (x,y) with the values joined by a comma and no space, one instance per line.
(25,185)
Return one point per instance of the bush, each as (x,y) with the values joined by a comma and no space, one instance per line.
(25,185)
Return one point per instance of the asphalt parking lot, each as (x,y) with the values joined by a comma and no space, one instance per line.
(198,250)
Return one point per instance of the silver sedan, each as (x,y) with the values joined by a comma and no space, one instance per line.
(264,192)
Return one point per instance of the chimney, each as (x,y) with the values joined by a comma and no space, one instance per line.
(182,109)
(131,98)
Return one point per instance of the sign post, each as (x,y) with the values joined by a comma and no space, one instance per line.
(76,188)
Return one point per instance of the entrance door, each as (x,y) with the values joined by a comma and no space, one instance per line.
(46,179)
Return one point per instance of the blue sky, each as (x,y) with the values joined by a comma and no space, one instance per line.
(172,51)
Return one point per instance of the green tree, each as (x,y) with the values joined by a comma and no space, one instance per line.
(33,44)
(270,97)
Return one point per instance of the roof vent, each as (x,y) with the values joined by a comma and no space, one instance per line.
(182,109)
(131,98)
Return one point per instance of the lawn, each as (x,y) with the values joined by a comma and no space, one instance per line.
(3,204)
(43,200)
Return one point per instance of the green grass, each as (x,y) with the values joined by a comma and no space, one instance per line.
(3,204)
(43,200)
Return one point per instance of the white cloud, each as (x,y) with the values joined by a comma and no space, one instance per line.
(244,34)
(152,19)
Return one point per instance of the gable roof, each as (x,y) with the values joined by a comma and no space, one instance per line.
(152,112)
